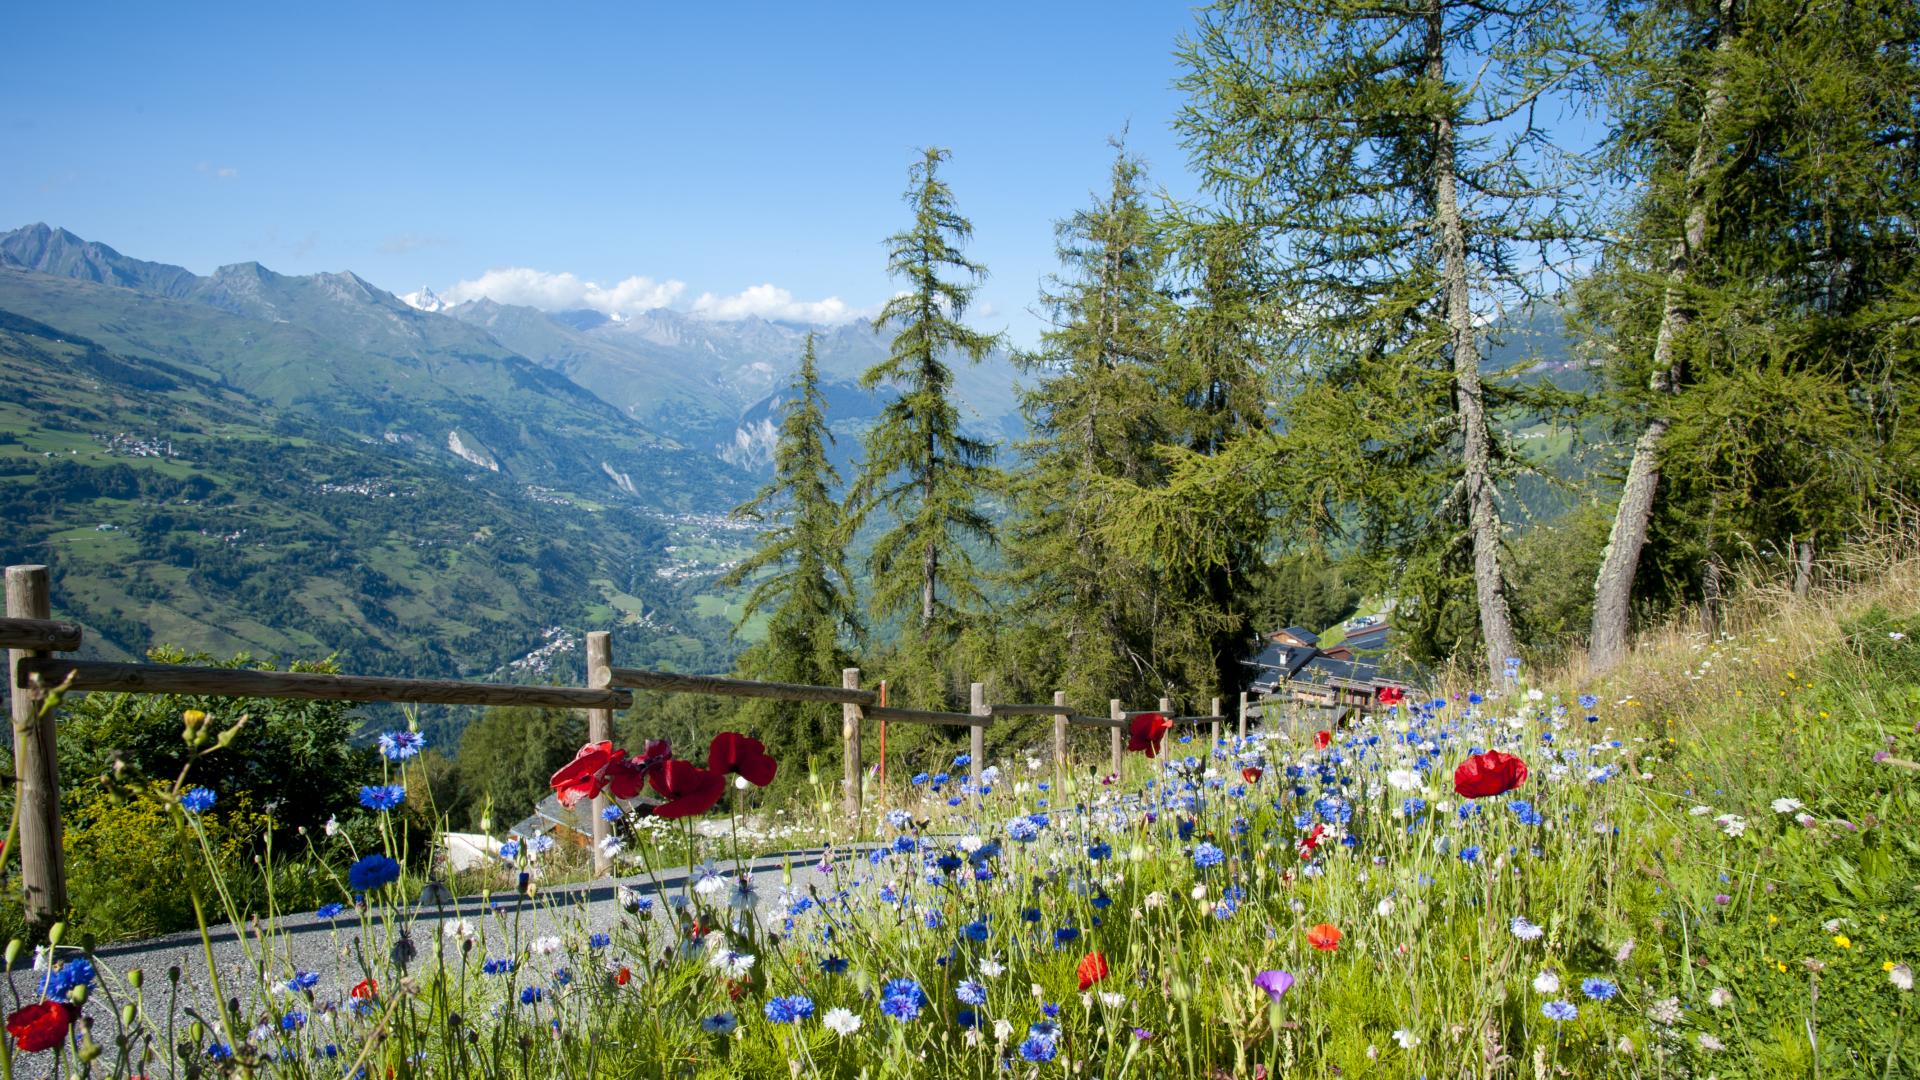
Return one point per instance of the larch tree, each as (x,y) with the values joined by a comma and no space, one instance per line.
(1092,411)
(920,471)
(1389,163)
(798,571)
(1757,314)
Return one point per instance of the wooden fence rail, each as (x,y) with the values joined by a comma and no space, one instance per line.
(30,633)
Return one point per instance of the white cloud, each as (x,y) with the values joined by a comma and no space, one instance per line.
(773,302)
(565,292)
(224,172)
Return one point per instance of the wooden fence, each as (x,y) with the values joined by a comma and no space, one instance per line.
(31,635)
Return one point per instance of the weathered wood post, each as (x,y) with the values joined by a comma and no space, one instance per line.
(977,737)
(850,716)
(1243,718)
(36,764)
(1215,713)
(1059,739)
(1166,710)
(1117,741)
(600,729)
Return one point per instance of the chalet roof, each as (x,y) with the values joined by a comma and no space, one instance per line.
(550,817)
(1281,658)
(1302,634)
(1330,671)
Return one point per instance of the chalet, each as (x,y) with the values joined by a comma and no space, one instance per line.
(1292,665)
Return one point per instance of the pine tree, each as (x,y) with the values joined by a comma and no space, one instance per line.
(799,571)
(1093,412)
(1757,318)
(919,470)
(1386,164)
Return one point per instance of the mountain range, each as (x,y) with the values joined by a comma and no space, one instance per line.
(298,466)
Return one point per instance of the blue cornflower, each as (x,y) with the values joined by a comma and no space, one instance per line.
(219,1051)
(329,911)
(1598,989)
(1470,853)
(1065,936)
(197,800)
(494,966)
(61,980)
(900,1008)
(371,872)
(900,819)
(293,1021)
(1036,1048)
(967,1018)
(598,941)
(789,1009)
(510,850)
(719,1024)
(611,813)
(382,796)
(834,965)
(1022,831)
(401,745)
(1559,1010)
(975,930)
(961,761)
(303,981)
(1588,701)
(920,778)
(1206,856)
(971,993)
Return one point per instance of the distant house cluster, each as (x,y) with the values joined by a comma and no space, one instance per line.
(1291,664)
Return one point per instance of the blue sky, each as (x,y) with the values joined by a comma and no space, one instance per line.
(723,147)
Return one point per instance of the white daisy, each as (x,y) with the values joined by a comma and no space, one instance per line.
(841,1021)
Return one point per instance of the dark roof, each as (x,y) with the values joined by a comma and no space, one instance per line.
(548,816)
(1326,669)
(1283,659)
(1303,634)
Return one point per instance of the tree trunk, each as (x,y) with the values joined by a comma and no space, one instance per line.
(1613,586)
(1483,516)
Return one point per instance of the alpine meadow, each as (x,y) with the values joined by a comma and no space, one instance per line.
(1326,538)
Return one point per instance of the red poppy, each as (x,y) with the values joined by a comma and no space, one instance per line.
(586,774)
(1322,739)
(1093,968)
(1392,695)
(732,752)
(623,976)
(1312,841)
(1492,773)
(1145,733)
(688,789)
(1252,774)
(40,1026)
(1325,937)
(366,988)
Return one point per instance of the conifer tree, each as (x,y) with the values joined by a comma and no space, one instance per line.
(1386,164)
(920,471)
(1093,412)
(798,570)
(1757,317)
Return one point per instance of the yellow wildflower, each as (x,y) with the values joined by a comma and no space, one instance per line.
(1843,941)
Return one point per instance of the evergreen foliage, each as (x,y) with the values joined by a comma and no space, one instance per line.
(799,574)
(919,470)
(1392,184)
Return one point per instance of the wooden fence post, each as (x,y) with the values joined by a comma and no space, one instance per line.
(1243,719)
(1166,710)
(1215,711)
(36,765)
(1060,740)
(1117,743)
(850,716)
(600,729)
(977,737)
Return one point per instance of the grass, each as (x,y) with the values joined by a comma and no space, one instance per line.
(1710,871)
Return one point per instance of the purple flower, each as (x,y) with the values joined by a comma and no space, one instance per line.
(1275,983)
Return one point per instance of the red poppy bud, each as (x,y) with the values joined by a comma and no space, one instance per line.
(623,976)
(1252,774)
(365,989)
(1322,739)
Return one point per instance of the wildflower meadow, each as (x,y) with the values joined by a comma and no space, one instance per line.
(1706,867)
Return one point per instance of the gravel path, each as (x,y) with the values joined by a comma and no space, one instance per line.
(333,948)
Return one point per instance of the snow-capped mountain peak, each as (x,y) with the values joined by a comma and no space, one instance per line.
(425,300)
